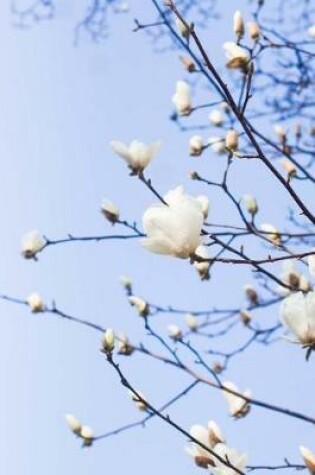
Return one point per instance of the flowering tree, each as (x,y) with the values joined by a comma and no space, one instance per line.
(268,78)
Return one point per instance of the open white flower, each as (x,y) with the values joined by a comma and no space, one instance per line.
(208,436)
(32,243)
(202,266)
(35,302)
(173,229)
(234,458)
(297,312)
(238,407)
(137,154)
(309,458)
(181,99)
(236,55)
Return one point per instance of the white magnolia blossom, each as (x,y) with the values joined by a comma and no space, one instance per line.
(311,264)
(251,294)
(292,276)
(73,423)
(217,144)
(216,117)
(108,341)
(271,232)
(234,458)
(173,229)
(236,55)
(250,203)
(174,332)
(208,436)
(182,28)
(87,435)
(32,243)
(195,145)
(139,400)
(110,211)
(202,267)
(191,321)
(141,305)
(238,24)
(231,140)
(137,155)
(311,31)
(35,302)
(204,203)
(253,30)
(309,458)
(297,312)
(181,99)
(238,407)
(124,347)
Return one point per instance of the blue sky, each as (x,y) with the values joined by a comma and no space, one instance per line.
(61,105)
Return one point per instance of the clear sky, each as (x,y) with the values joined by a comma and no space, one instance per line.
(61,105)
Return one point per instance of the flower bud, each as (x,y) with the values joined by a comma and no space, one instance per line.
(251,294)
(272,233)
(126,283)
(191,321)
(182,28)
(181,99)
(253,30)
(73,423)
(217,367)
(124,346)
(195,145)
(250,204)
(141,305)
(202,266)
(231,140)
(139,400)
(193,175)
(32,243)
(245,317)
(35,302)
(204,203)
(308,457)
(288,167)
(110,211)
(216,118)
(174,332)
(188,63)
(238,24)
(87,436)
(280,132)
(108,341)
(217,144)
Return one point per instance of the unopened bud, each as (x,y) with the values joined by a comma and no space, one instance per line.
(250,204)
(182,28)
(174,332)
(251,294)
(245,317)
(191,322)
(141,305)
(238,24)
(124,346)
(272,233)
(73,423)
(217,367)
(110,211)
(35,302)
(231,140)
(87,436)
(126,283)
(253,30)
(108,341)
(289,167)
(216,118)
(188,63)
(139,400)
(309,459)
(195,145)
(193,175)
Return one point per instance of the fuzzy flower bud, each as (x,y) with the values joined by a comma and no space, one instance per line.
(191,322)
(108,341)
(174,332)
(181,99)
(195,145)
(188,63)
(124,346)
(139,400)
(288,167)
(253,30)
(141,305)
(308,456)
(238,24)
(216,118)
(73,423)
(231,140)
(250,204)
(87,436)
(245,317)
(272,233)
(202,266)
(251,294)
(182,28)
(110,211)
(35,302)
(32,243)
(126,283)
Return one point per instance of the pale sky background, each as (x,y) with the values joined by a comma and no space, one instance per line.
(61,105)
